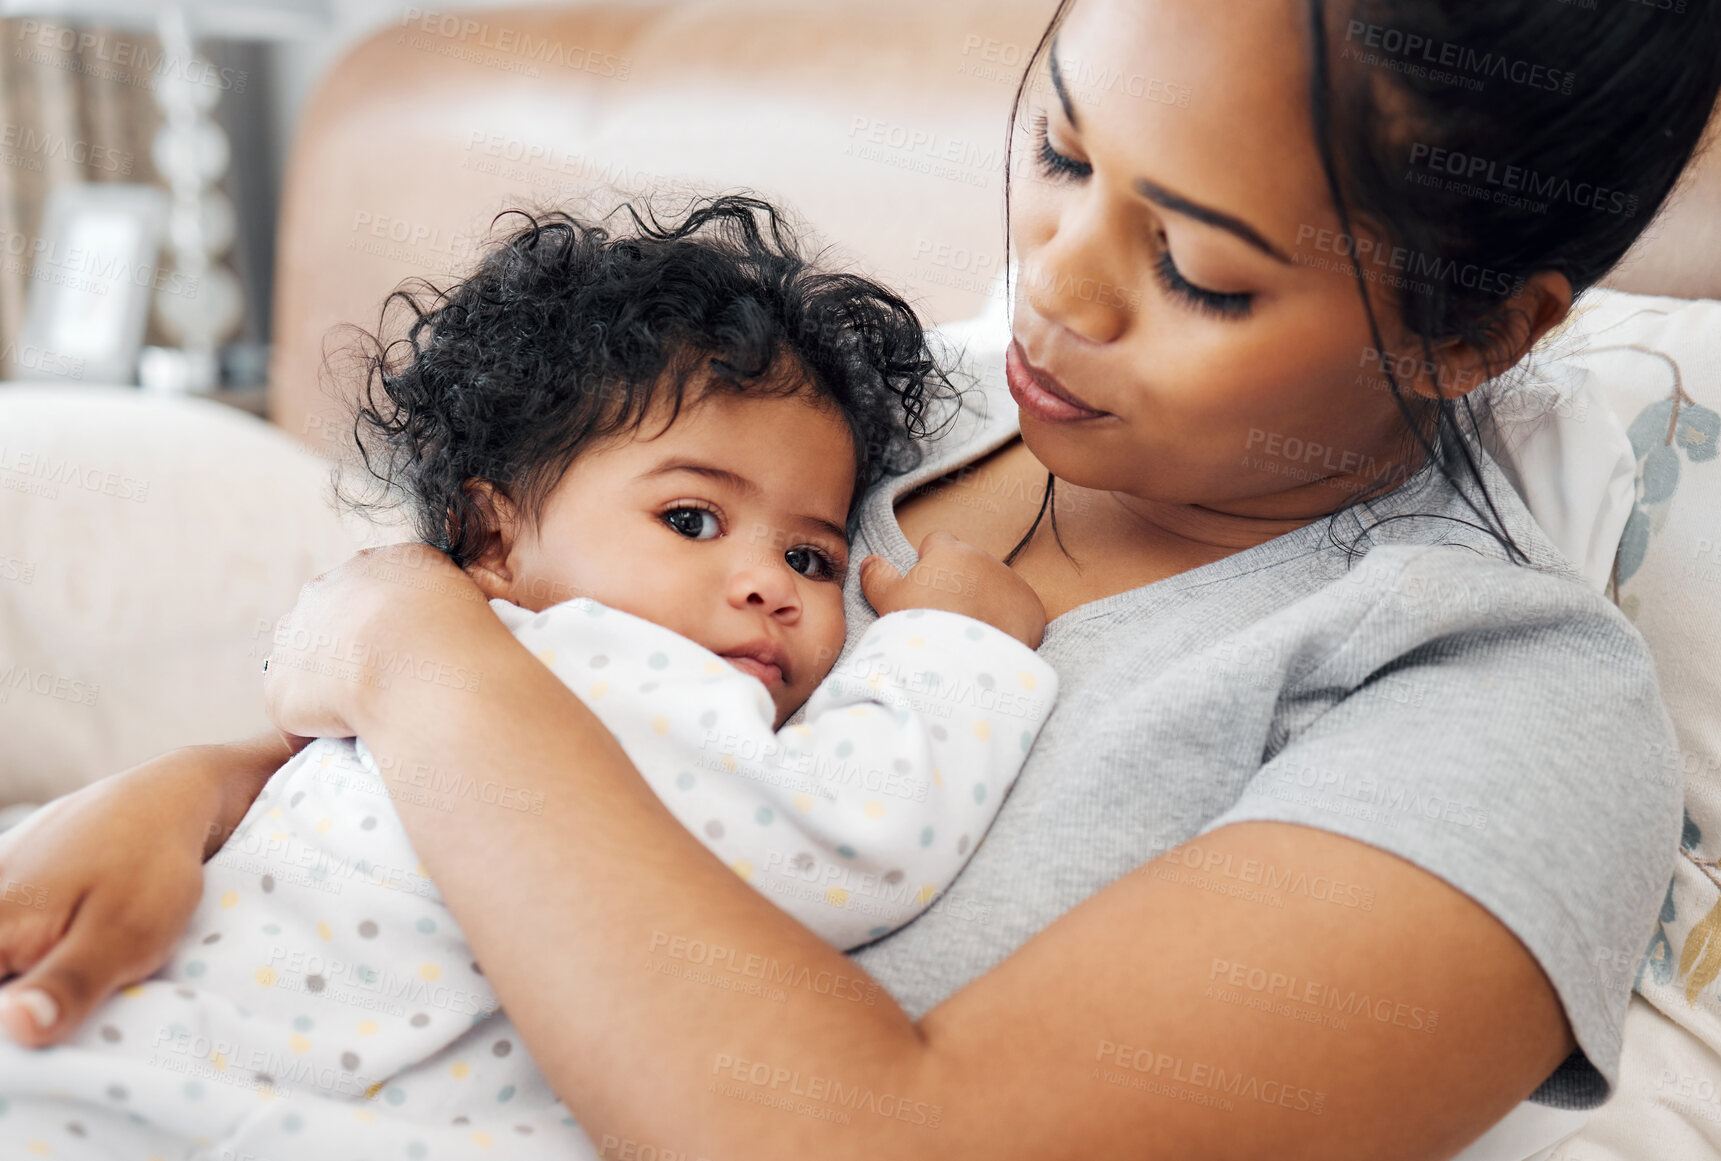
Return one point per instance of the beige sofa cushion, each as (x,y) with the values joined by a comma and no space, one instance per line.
(146,547)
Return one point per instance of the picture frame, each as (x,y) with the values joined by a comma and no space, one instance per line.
(93,270)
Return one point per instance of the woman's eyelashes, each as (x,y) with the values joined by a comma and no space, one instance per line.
(1208,301)
(1219,304)
(698,522)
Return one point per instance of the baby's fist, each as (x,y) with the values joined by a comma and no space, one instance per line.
(957,577)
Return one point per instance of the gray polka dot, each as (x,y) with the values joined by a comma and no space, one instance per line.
(940,733)
(523,1130)
(476,968)
(265,1079)
(367,929)
(294,801)
(111,1034)
(708,718)
(419,1020)
(350,1061)
(212,937)
(648,687)
(462,1121)
(714,829)
(117,1092)
(368,823)
(76,1129)
(185,993)
(802,862)
(962,845)
(985,681)
(893,877)
(502,1048)
(314,983)
(599,661)
(901,766)
(268,883)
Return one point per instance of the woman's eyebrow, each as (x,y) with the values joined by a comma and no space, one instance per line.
(1178,204)
(1158,194)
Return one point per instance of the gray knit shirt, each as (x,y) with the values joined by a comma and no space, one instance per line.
(1490,722)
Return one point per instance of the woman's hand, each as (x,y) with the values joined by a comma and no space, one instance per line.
(97,886)
(343,641)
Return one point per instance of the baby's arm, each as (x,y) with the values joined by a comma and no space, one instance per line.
(908,749)
(855,821)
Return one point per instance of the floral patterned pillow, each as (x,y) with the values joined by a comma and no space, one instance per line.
(1659,363)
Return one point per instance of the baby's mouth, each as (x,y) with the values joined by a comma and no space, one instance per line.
(767,672)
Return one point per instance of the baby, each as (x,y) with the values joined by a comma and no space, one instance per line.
(644,449)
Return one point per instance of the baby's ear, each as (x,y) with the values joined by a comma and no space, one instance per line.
(490,569)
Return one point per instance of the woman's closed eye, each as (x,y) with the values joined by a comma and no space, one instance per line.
(1060,166)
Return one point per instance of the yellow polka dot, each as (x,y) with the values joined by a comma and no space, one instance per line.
(423,871)
(366,1115)
(937,777)
(925,894)
(265,1093)
(598,689)
(325,931)
(803,802)
(713,668)
(875,681)
(266,976)
(219,1062)
(742,867)
(323,825)
(802,731)
(429,972)
(1027,679)
(370,1093)
(916,642)
(729,764)
(857,711)
(367,1027)
(875,809)
(547,656)
(328,756)
(298,1045)
(278,812)
(132,992)
(277,836)
(660,724)
(459,1070)
(230,899)
(40,1148)
(836,896)
(982,731)
(482,1140)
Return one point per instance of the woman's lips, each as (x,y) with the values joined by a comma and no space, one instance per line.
(1040,395)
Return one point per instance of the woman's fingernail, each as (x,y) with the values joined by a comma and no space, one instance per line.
(42,1008)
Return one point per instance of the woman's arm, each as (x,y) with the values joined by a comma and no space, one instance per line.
(96,886)
(1123,1029)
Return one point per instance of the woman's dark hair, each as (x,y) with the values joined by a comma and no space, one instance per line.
(567,335)
(1509,138)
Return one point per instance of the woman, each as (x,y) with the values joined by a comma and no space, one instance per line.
(1340,805)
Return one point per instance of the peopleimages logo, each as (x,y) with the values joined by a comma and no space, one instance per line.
(1518,179)
(1446,55)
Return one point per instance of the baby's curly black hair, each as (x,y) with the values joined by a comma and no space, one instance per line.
(567,335)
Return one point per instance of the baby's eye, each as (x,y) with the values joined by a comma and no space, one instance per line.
(812,563)
(693,523)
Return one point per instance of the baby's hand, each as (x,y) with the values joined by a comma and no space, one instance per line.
(955,576)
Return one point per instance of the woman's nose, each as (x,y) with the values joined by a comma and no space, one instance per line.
(1075,279)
